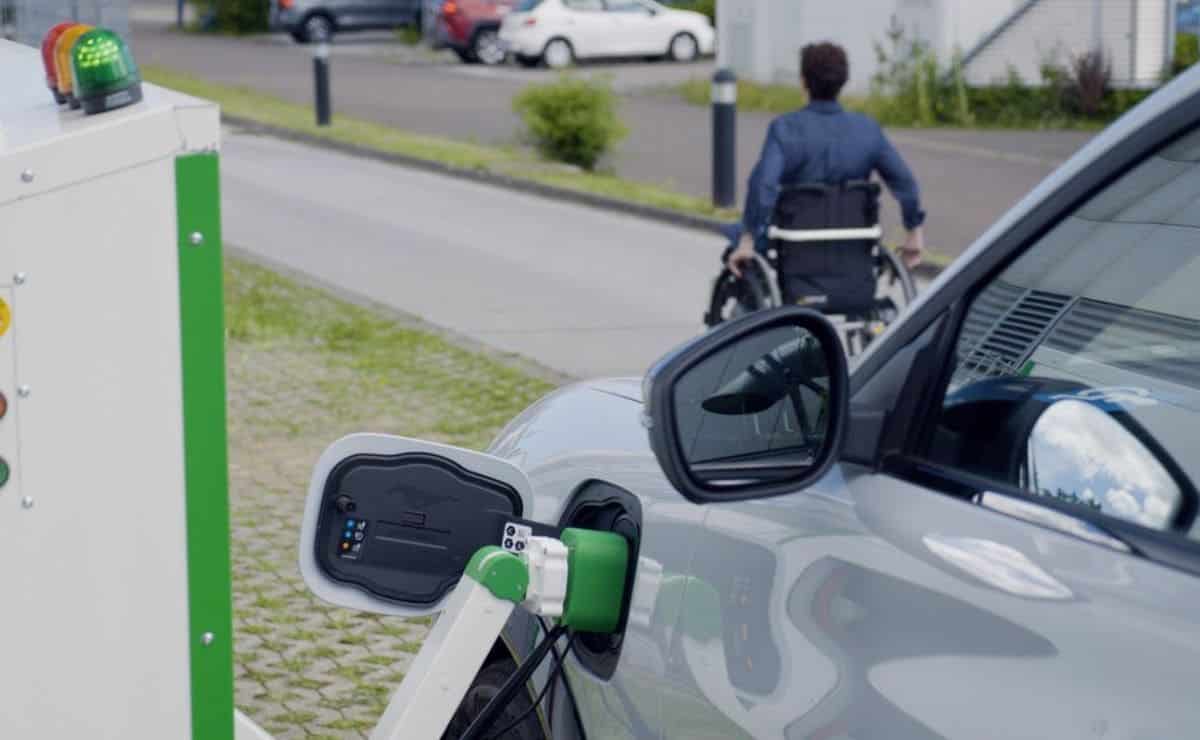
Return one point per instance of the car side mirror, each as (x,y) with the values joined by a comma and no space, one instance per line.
(755,408)
(391,523)
(1080,454)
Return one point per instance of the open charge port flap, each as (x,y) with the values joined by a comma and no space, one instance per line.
(421,518)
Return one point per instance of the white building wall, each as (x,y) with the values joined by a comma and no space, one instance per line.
(795,23)
(1132,34)
(32,18)
(966,22)
(1151,38)
(761,39)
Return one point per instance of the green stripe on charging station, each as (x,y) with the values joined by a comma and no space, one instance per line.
(202,329)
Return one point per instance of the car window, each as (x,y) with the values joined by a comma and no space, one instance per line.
(1077,369)
(626,6)
(590,5)
(527,5)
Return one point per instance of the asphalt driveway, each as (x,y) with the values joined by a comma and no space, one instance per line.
(969,178)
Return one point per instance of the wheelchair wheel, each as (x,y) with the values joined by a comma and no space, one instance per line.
(895,281)
(733,296)
(896,290)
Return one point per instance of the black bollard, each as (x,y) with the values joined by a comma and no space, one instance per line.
(321,83)
(724,106)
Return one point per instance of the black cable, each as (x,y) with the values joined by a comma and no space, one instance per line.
(484,720)
(554,674)
(580,732)
(558,661)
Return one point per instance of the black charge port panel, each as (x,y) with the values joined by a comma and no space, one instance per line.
(404,527)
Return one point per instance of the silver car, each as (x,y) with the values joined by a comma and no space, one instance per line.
(314,21)
(985,529)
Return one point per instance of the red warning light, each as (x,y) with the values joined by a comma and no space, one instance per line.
(48,61)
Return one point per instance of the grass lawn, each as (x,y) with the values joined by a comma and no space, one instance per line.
(303,370)
(779,98)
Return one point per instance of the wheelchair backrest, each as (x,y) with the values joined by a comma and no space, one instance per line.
(849,205)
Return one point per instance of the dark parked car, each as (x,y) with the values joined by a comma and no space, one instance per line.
(313,21)
(1187,17)
(471,28)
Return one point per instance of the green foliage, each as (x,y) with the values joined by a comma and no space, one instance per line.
(572,120)
(1091,75)
(911,88)
(751,95)
(409,35)
(1187,51)
(705,7)
(233,16)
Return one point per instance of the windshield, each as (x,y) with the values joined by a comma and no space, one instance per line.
(1094,331)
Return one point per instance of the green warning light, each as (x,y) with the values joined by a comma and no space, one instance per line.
(105,75)
(3,472)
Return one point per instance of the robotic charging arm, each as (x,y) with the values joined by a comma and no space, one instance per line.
(578,580)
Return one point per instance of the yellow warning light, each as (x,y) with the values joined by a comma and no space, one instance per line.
(5,317)
(62,60)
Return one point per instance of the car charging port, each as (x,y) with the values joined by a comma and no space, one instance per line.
(603,507)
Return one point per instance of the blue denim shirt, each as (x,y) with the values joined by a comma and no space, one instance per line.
(822,143)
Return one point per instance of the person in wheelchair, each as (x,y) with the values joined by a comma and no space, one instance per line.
(813,173)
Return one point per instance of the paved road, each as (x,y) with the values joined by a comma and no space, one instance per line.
(969,178)
(582,291)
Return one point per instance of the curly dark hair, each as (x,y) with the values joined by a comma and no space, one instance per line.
(825,70)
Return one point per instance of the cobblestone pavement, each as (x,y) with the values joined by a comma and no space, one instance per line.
(303,370)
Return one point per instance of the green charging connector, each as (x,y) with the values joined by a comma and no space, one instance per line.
(598,563)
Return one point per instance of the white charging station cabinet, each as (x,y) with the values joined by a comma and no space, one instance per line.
(115,603)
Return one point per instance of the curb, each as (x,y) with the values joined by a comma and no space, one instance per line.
(649,213)
(652,213)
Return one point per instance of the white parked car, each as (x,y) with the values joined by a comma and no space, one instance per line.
(557,32)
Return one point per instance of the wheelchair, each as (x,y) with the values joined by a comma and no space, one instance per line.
(824,254)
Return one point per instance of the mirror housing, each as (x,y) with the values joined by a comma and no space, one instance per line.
(1077,447)
(768,371)
(390,523)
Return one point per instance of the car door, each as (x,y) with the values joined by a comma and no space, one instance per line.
(1009,547)
(590,30)
(639,26)
(394,13)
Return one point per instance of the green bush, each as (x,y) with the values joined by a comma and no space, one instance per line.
(706,7)
(912,88)
(1187,51)
(233,16)
(572,120)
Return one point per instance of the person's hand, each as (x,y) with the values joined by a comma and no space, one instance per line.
(914,248)
(743,254)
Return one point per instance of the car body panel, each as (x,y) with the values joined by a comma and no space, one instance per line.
(457,30)
(848,608)
(869,605)
(604,33)
(581,434)
(894,611)
(347,15)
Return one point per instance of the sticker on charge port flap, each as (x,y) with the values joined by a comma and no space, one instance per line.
(354,536)
(516,537)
